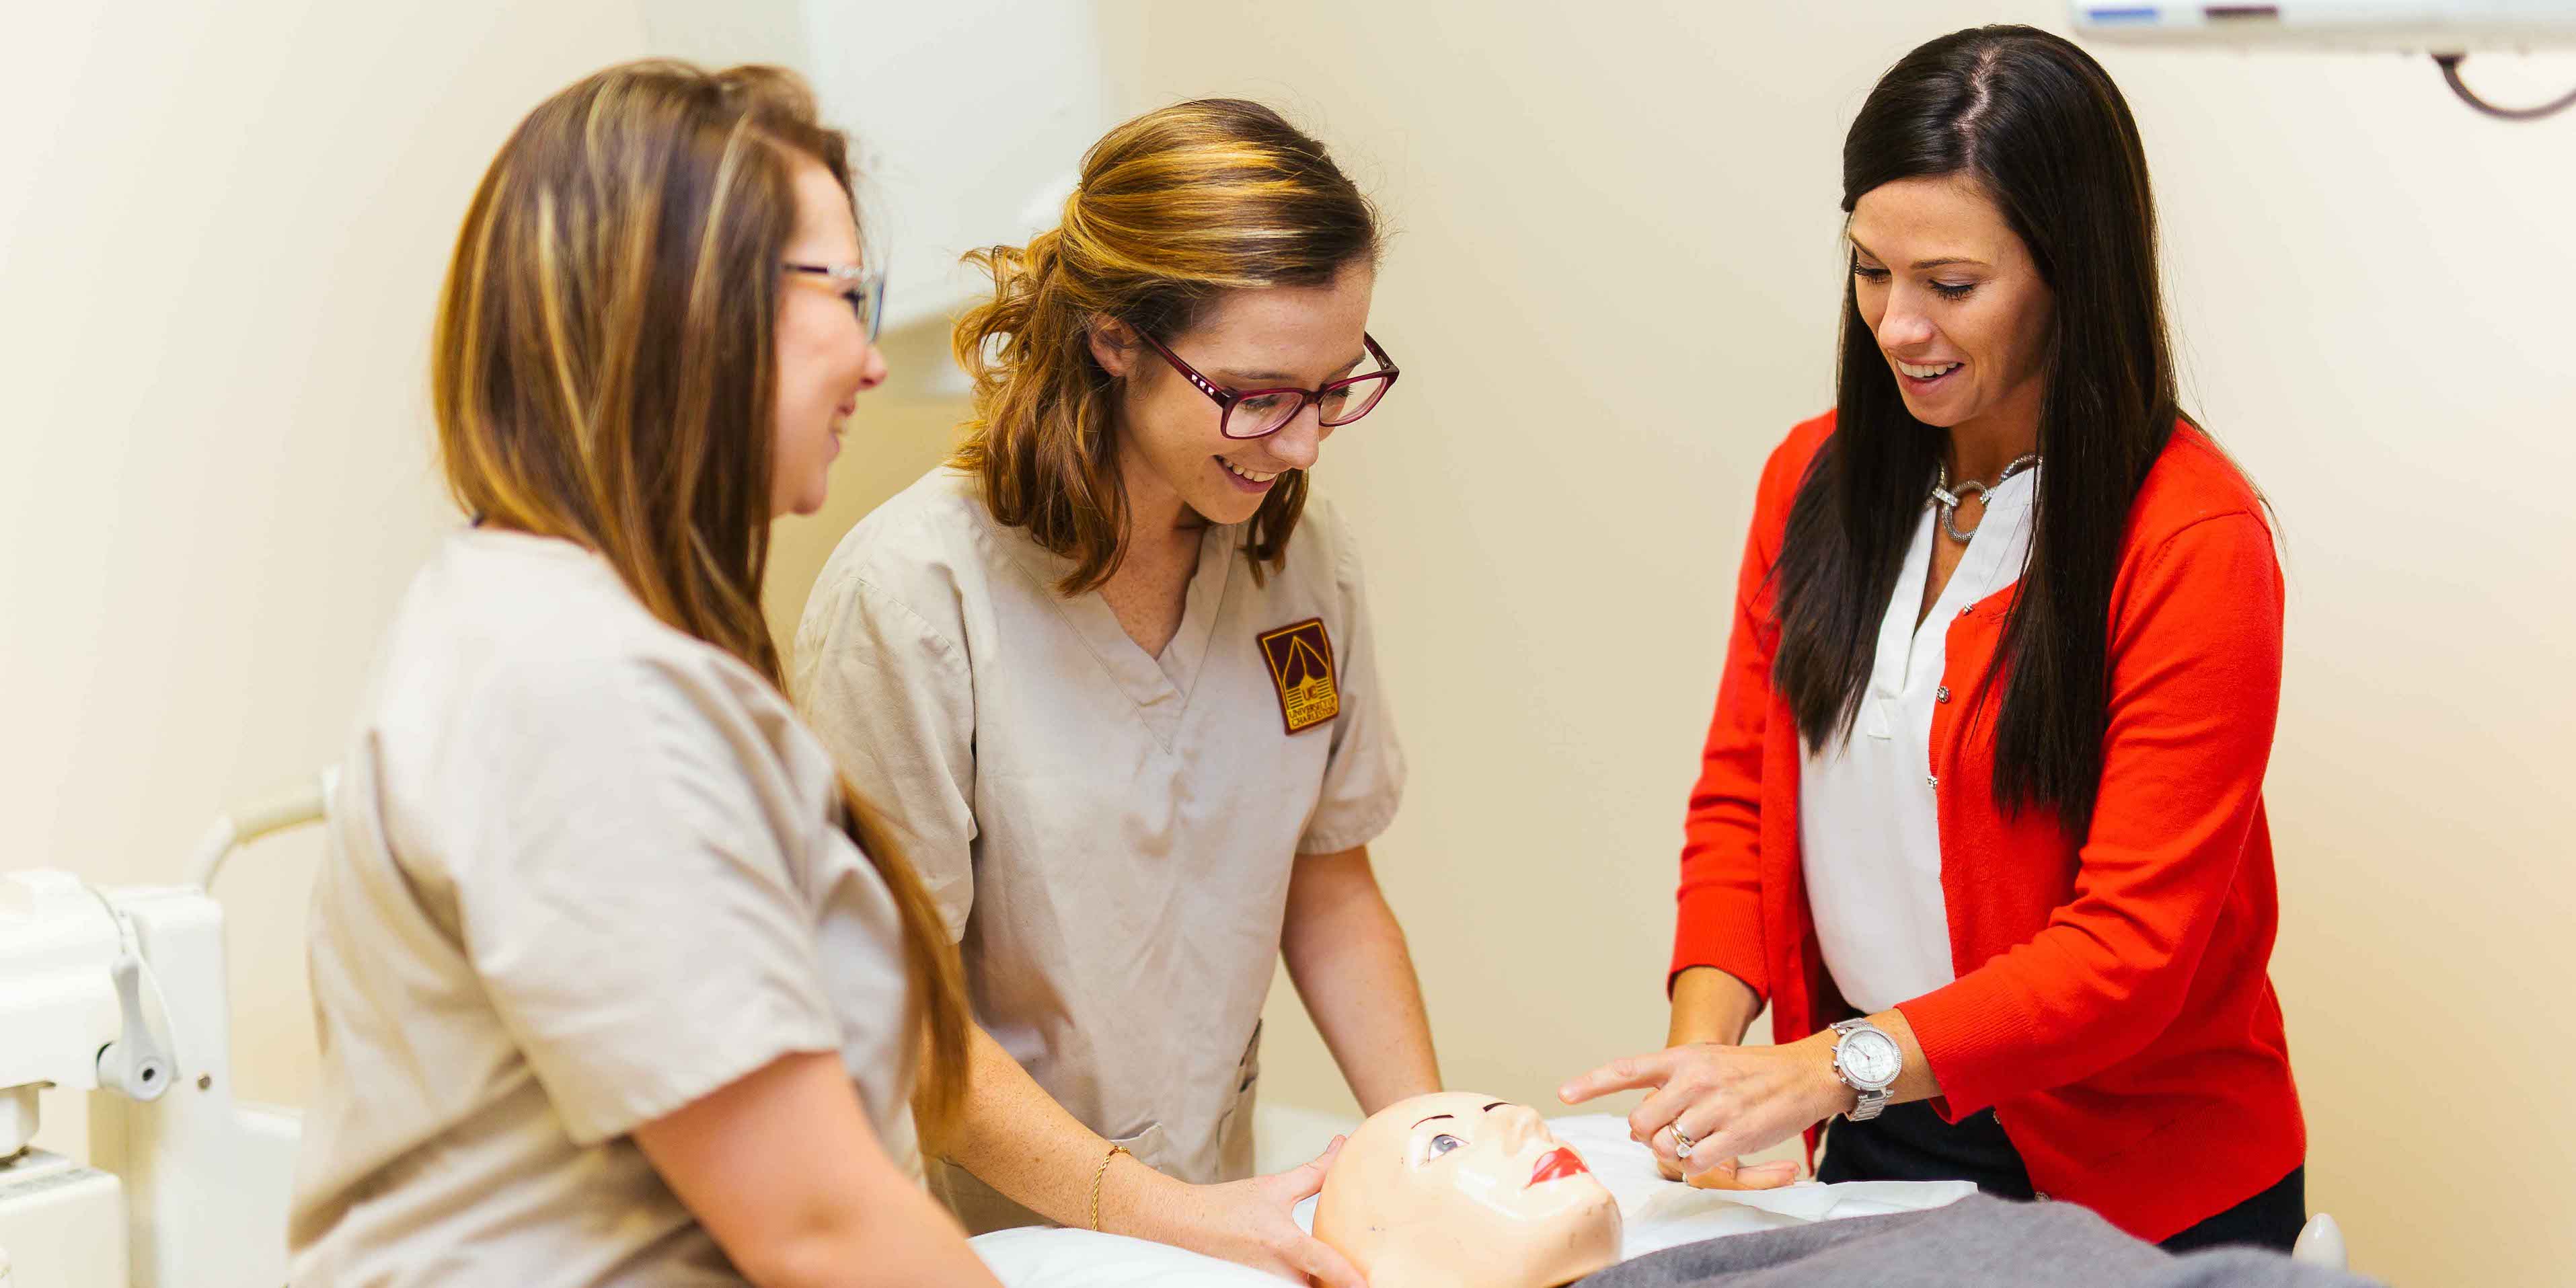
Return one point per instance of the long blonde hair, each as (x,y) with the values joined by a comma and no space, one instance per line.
(603,371)
(1175,208)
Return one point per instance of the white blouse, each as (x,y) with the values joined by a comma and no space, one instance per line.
(1869,831)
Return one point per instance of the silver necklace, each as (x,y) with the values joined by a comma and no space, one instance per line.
(1948,500)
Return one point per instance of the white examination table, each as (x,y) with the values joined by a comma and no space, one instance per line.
(1657,1213)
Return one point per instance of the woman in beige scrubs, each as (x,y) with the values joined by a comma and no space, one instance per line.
(617,982)
(1112,670)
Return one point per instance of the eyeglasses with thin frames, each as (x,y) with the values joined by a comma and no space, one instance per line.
(1259,413)
(864,288)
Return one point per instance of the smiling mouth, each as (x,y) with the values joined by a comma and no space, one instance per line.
(1926,375)
(1249,480)
(1556,1165)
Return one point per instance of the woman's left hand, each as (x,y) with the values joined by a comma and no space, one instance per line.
(1729,1100)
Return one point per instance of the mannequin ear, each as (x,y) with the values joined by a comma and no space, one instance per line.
(1113,344)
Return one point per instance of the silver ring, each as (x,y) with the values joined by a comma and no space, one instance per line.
(1686,1143)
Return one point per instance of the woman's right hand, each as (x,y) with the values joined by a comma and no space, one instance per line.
(1710,1005)
(1724,1174)
(1253,1223)
(1734,1098)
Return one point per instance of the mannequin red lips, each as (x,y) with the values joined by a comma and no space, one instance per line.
(1506,1205)
(1556,1165)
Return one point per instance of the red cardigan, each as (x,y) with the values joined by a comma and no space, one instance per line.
(2112,1004)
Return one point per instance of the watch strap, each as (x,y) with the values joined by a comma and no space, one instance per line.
(1871,1101)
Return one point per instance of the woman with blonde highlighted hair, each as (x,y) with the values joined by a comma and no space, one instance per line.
(1112,671)
(618,981)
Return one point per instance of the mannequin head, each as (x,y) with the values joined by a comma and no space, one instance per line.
(1460,1190)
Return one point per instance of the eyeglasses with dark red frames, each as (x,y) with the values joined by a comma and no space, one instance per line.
(1264,412)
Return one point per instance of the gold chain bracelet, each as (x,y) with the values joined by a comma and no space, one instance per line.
(1102,1174)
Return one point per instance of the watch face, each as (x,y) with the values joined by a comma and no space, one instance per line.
(1871,1059)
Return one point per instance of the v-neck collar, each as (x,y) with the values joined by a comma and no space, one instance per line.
(1989,564)
(1159,686)
(1187,649)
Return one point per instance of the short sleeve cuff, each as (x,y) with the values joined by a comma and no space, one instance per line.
(597,1105)
(1352,826)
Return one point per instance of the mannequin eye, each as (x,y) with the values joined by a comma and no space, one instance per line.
(1443,1143)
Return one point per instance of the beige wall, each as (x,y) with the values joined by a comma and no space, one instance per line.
(1613,288)
(224,228)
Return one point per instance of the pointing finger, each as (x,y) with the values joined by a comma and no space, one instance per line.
(1625,1074)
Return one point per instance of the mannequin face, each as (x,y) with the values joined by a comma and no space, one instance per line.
(1459,1190)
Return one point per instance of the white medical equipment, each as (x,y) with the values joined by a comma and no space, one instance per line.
(2449,30)
(121,993)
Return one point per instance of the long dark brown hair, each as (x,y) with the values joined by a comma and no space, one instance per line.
(1176,207)
(2039,127)
(603,370)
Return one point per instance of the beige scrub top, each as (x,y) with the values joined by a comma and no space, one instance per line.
(582,870)
(1109,834)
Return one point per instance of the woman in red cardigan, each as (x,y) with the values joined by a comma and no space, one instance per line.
(1980,815)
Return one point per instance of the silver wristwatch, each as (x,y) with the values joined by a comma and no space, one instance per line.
(1868,1061)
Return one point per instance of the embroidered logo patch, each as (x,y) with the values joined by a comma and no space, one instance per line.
(1301,665)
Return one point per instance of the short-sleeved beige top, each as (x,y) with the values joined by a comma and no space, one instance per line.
(1109,833)
(583,869)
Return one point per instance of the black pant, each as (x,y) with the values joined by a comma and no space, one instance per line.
(1911,1143)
